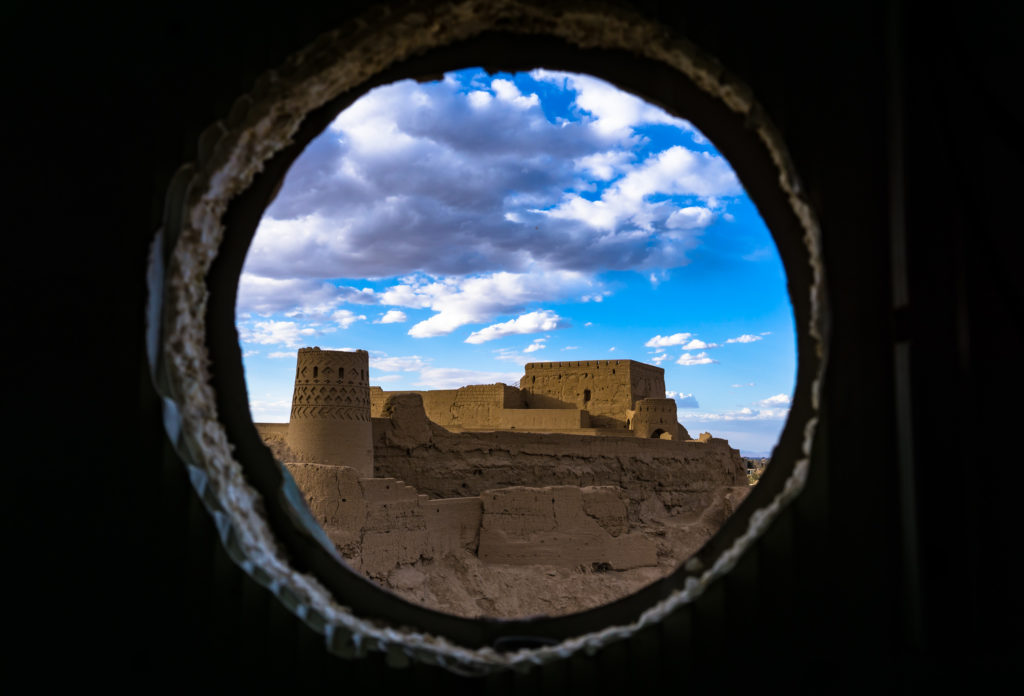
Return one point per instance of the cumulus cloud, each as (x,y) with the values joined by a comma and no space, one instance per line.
(683,400)
(658,359)
(745,338)
(689,218)
(660,341)
(427,177)
(773,401)
(532,322)
(538,344)
(346,318)
(698,359)
(392,316)
(476,299)
(627,210)
(697,344)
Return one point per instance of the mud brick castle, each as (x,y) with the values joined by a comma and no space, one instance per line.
(574,468)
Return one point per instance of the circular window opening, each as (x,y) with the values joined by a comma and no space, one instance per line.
(466,231)
(214,208)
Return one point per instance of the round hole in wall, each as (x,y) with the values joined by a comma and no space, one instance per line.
(214,206)
(588,208)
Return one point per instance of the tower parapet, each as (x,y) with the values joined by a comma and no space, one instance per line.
(330,416)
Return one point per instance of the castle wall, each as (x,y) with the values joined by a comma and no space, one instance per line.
(475,406)
(379,524)
(605,388)
(550,526)
(330,416)
(681,475)
(534,419)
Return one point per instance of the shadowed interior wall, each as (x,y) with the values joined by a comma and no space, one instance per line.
(112,100)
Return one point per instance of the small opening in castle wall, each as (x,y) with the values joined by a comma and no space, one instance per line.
(487,227)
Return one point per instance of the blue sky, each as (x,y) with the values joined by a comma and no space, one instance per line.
(459,229)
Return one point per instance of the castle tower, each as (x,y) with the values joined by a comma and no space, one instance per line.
(657,418)
(330,418)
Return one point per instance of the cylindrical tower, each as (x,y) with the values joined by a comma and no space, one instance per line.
(330,418)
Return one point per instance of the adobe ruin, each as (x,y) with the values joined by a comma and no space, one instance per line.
(450,497)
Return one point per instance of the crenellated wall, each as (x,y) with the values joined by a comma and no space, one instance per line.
(605,388)
(474,406)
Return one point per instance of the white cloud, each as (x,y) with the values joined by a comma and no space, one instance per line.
(589,323)
(346,318)
(736,386)
(744,414)
(476,299)
(409,363)
(660,341)
(698,359)
(777,400)
(270,410)
(612,349)
(282,354)
(615,113)
(604,165)
(571,348)
(697,344)
(271,332)
(507,91)
(689,218)
(683,400)
(745,338)
(296,296)
(392,316)
(538,344)
(624,210)
(658,359)
(453,378)
(532,322)
(250,353)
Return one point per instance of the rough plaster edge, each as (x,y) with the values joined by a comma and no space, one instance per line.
(232,152)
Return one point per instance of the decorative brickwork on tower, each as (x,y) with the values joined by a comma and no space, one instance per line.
(330,417)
